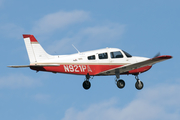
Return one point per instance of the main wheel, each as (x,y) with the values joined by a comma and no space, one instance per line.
(86,85)
(139,85)
(120,84)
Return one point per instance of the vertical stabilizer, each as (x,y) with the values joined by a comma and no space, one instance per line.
(35,51)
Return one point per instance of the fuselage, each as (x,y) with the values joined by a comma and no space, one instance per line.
(90,62)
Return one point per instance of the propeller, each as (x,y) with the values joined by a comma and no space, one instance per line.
(158,54)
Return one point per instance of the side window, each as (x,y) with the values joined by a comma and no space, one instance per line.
(116,54)
(92,57)
(103,56)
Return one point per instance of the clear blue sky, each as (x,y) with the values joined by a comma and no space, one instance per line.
(140,27)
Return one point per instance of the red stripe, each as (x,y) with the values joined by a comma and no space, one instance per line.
(84,69)
(32,38)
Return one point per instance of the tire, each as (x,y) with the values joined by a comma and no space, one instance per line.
(138,85)
(86,85)
(120,84)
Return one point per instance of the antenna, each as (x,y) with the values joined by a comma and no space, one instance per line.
(75,48)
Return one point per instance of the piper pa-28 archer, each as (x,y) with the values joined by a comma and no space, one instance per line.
(108,61)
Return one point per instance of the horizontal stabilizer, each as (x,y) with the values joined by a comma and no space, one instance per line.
(19,66)
(40,65)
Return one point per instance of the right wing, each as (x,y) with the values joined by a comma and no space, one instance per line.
(126,68)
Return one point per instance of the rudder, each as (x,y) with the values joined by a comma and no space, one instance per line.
(35,51)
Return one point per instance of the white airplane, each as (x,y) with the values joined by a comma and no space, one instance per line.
(108,61)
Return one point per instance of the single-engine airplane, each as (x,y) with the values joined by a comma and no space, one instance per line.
(108,61)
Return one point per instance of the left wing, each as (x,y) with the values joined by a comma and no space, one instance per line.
(137,65)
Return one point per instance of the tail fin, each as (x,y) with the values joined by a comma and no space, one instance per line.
(35,51)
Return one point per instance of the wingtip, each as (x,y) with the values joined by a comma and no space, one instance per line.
(165,57)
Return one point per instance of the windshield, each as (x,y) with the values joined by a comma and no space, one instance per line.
(127,54)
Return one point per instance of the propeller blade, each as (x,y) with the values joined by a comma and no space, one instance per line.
(158,54)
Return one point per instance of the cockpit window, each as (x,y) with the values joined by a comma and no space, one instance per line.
(116,54)
(127,54)
(92,57)
(103,56)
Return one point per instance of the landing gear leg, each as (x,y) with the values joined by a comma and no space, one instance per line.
(119,82)
(139,84)
(86,83)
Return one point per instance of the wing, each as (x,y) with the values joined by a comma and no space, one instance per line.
(137,65)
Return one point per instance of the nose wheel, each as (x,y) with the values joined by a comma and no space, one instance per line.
(139,84)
